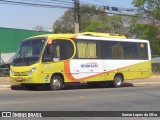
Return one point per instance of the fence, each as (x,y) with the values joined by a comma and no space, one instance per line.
(156,64)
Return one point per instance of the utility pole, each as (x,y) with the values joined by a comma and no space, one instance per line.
(76,16)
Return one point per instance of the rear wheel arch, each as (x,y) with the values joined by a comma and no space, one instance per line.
(120,75)
(118,80)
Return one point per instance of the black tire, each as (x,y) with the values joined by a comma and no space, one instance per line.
(56,83)
(118,81)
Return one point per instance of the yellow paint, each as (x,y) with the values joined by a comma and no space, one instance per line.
(44,71)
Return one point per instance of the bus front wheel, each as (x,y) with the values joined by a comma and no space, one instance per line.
(118,81)
(56,83)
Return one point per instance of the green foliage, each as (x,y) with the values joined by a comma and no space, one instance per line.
(88,14)
(96,26)
(144,31)
(149,32)
(92,19)
(65,24)
(151,7)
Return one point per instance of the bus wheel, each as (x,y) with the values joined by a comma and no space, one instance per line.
(56,83)
(118,80)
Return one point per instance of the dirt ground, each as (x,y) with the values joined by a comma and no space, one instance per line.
(3,79)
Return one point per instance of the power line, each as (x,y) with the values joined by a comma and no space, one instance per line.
(33,4)
(66,5)
(62,1)
(51,1)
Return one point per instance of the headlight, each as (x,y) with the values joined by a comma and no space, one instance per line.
(11,72)
(31,71)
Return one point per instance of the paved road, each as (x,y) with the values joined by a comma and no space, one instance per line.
(98,99)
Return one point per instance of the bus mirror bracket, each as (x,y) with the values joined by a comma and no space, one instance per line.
(55,59)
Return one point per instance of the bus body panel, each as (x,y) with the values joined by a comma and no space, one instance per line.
(83,70)
(105,70)
(45,72)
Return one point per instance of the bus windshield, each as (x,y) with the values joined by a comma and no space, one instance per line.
(29,52)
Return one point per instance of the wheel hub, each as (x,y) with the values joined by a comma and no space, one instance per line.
(56,83)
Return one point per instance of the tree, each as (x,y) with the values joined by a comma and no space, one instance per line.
(88,14)
(65,24)
(149,28)
(111,24)
(149,32)
(96,26)
(92,19)
(150,7)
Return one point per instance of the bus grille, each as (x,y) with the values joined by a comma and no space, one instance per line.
(20,73)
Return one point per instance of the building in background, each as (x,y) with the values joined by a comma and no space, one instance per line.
(10,40)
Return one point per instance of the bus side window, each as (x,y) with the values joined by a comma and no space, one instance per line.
(47,55)
(55,50)
(130,50)
(117,51)
(58,50)
(87,49)
(52,52)
(66,49)
(142,51)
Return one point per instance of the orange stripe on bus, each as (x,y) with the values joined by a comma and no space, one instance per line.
(70,77)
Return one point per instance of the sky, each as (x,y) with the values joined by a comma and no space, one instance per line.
(27,17)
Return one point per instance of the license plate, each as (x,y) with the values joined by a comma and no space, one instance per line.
(19,79)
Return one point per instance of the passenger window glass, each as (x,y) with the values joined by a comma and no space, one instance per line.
(130,50)
(59,50)
(142,50)
(117,51)
(123,50)
(86,49)
(111,50)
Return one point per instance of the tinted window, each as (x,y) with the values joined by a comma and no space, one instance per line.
(123,50)
(98,49)
(59,50)
(130,50)
(142,50)
(111,50)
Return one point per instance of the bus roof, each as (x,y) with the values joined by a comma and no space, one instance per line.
(106,35)
(93,34)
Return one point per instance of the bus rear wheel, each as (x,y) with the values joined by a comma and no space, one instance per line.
(56,83)
(118,81)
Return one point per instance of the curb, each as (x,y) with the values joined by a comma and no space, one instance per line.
(146,83)
(5,87)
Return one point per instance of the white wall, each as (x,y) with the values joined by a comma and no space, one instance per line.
(7,57)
